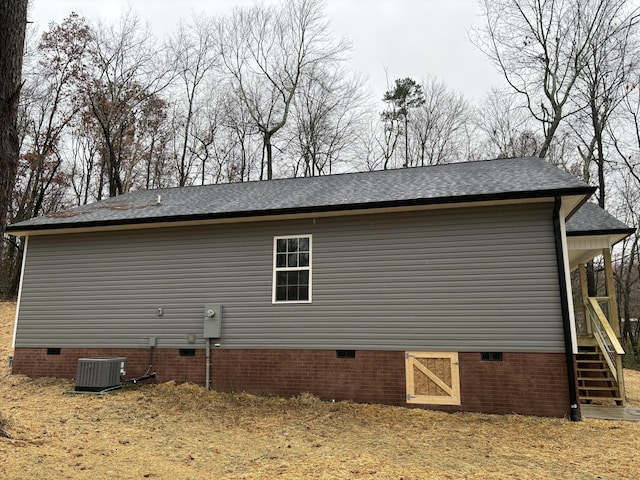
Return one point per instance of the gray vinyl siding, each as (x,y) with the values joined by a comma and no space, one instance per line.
(463,279)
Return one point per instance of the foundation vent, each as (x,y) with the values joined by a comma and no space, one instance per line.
(491,356)
(345,354)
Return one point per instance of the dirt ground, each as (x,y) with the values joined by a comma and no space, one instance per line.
(174,431)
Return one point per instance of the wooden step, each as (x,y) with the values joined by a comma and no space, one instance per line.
(599,389)
(595,373)
(590,360)
(594,368)
(593,351)
(594,357)
(591,398)
(595,383)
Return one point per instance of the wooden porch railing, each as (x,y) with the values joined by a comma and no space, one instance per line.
(603,333)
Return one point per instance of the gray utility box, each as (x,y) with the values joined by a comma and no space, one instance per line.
(212,320)
(97,374)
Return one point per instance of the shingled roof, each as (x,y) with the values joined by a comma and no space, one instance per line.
(590,219)
(514,178)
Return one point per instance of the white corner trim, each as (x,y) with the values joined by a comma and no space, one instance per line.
(24,262)
(567,275)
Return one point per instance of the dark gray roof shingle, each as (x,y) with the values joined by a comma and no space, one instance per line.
(591,219)
(458,182)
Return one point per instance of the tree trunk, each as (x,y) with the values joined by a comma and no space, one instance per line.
(13,22)
(406,141)
(550,133)
(601,179)
(269,149)
(592,286)
(627,332)
(15,269)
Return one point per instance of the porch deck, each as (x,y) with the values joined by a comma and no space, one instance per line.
(609,412)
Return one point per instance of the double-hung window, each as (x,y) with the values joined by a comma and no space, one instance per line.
(292,269)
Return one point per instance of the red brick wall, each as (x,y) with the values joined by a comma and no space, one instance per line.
(370,377)
(523,383)
(167,363)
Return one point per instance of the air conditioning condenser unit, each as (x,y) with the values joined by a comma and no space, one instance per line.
(98,374)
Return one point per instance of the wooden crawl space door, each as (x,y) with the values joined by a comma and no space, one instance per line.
(432,378)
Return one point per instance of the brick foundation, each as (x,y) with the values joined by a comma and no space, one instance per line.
(523,383)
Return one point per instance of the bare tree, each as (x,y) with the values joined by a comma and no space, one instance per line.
(208,145)
(127,73)
(627,269)
(241,137)
(438,127)
(611,66)
(82,157)
(625,134)
(328,113)
(194,49)
(542,48)
(266,51)
(505,126)
(387,139)
(148,148)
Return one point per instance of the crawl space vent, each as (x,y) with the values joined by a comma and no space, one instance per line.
(491,356)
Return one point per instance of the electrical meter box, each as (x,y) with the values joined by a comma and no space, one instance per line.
(212,320)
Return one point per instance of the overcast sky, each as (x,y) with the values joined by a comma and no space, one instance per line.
(398,38)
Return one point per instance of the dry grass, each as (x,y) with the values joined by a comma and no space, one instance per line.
(632,385)
(173,431)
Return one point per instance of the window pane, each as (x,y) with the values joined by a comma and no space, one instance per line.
(303,278)
(281,279)
(292,293)
(281,293)
(293,245)
(292,260)
(281,245)
(303,244)
(292,278)
(281,260)
(304,260)
(303,292)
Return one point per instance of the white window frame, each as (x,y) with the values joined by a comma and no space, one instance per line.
(277,269)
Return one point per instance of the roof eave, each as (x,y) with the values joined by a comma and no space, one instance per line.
(585,192)
(614,235)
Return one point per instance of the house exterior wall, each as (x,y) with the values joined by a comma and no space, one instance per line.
(460,279)
(523,383)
